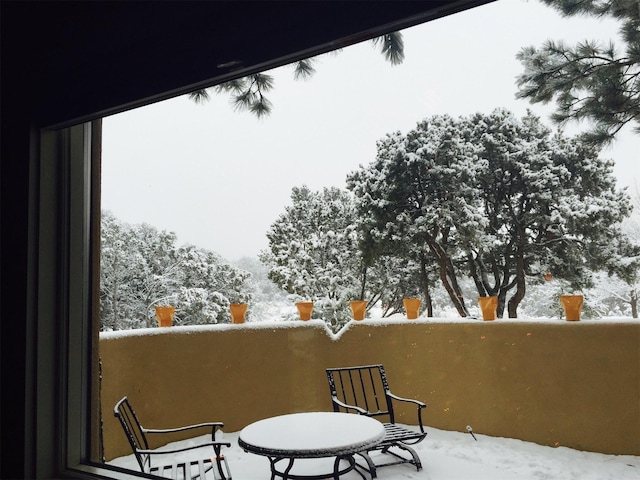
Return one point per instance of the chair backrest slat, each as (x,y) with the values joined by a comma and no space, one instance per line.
(365,398)
(354,392)
(373,386)
(362,386)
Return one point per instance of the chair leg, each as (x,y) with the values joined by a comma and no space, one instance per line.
(416,460)
(219,458)
(223,468)
(372,466)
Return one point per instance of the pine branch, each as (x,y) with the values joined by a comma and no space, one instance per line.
(588,81)
(392,47)
(248,93)
(200,96)
(304,69)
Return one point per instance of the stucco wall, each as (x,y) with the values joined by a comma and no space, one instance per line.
(575,384)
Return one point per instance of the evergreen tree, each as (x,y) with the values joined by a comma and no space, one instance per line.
(536,189)
(417,198)
(589,80)
(313,252)
(395,278)
(314,255)
(207,285)
(119,266)
(156,279)
(142,267)
(496,198)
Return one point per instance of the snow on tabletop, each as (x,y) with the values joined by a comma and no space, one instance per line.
(313,432)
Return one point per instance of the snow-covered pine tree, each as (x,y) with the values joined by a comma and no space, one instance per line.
(313,252)
(417,199)
(207,285)
(141,267)
(118,266)
(551,202)
(136,268)
(518,185)
(494,197)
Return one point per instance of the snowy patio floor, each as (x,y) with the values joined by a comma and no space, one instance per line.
(451,456)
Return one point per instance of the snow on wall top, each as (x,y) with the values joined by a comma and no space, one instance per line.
(398,319)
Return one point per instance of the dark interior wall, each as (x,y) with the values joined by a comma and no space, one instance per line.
(14,249)
(81,58)
(67,62)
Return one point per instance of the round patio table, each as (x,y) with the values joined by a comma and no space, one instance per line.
(312,435)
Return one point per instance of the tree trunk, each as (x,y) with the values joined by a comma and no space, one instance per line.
(363,283)
(456,286)
(447,277)
(502,300)
(634,303)
(424,280)
(506,284)
(479,273)
(517,297)
(475,275)
(503,290)
(114,308)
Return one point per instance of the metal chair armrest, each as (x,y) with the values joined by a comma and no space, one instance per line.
(184,449)
(346,406)
(213,426)
(420,405)
(410,400)
(186,427)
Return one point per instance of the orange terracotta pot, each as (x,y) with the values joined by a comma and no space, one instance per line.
(358,308)
(304,310)
(489,307)
(572,306)
(165,315)
(238,312)
(412,307)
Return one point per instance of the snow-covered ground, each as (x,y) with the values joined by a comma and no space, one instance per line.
(450,456)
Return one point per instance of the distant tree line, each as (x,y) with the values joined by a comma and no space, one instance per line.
(142,267)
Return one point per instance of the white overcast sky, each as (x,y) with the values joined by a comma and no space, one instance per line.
(219,178)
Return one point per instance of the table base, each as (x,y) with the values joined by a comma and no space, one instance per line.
(287,475)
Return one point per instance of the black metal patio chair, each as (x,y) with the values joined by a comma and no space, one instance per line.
(190,469)
(365,390)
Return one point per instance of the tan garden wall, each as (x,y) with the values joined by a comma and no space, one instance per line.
(575,384)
